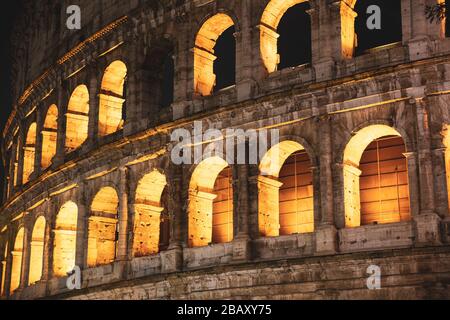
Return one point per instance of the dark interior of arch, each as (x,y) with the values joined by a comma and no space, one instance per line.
(124,107)
(225,64)
(160,68)
(294,43)
(391,24)
(168,74)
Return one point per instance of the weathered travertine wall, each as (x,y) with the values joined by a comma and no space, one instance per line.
(322,106)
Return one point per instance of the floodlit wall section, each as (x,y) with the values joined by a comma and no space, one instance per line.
(112,99)
(37,251)
(204,77)
(148,210)
(102,229)
(77,118)
(201,202)
(49,136)
(375,177)
(285,191)
(17,254)
(65,231)
(29,152)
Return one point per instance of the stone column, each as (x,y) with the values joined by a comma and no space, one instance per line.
(326,232)
(417,31)
(94,101)
(440,182)
(82,227)
(63,101)
(48,247)
(244,72)
(333,36)
(38,144)
(172,258)
(24,275)
(268,206)
(241,242)
(427,222)
(21,141)
(413,181)
(123,215)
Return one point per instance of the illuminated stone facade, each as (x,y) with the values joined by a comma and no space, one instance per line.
(360,178)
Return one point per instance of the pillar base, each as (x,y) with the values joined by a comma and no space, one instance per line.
(324,69)
(241,249)
(172,259)
(326,240)
(419,48)
(427,229)
(245,90)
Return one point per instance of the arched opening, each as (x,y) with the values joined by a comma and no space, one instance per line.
(210,203)
(285,34)
(77,118)
(49,136)
(110,115)
(378,23)
(285,186)
(375,170)
(150,215)
(102,230)
(17,254)
(29,152)
(159,76)
(214,35)
(4,261)
(37,251)
(64,249)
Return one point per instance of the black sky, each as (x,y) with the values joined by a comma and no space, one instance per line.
(10,10)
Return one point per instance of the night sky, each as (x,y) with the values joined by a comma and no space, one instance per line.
(10,10)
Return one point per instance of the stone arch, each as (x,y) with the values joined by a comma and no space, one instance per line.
(102,228)
(148,213)
(77,118)
(208,222)
(17,256)
(271,17)
(204,58)
(49,136)
(381,166)
(112,99)
(269,36)
(65,231)
(159,74)
(29,152)
(37,251)
(285,187)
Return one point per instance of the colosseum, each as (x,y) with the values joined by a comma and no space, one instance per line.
(356,185)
